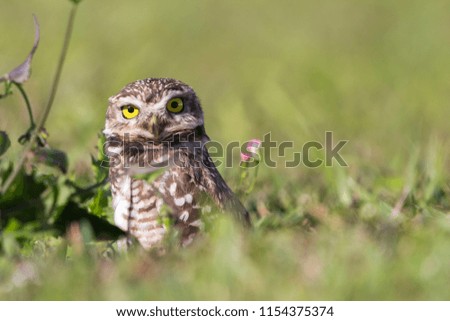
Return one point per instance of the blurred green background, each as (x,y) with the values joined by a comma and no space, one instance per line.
(373,72)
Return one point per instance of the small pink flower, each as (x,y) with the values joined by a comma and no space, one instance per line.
(244,157)
(252,148)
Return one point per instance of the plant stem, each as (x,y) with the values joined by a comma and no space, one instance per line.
(7,90)
(48,107)
(81,191)
(401,201)
(59,68)
(27,102)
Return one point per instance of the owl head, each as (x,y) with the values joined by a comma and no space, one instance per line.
(154,110)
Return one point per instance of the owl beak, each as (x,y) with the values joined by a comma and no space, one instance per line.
(154,126)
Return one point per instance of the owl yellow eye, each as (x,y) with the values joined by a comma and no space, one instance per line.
(175,105)
(129,111)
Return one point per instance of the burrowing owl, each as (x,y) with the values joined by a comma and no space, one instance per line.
(159,122)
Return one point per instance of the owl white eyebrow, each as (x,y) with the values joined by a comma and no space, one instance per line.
(123,101)
(174,93)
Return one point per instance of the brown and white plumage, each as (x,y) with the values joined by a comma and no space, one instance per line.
(159,137)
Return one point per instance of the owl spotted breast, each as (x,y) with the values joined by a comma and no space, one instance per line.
(158,123)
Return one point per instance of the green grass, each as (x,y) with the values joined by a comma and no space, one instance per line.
(373,72)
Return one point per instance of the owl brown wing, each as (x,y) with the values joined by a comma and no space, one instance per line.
(210,181)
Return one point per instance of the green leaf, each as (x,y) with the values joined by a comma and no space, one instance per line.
(5,143)
(51,157)
(10,246)
(23,200)
(99,164)
(72,212)
(13,225)
(99,203)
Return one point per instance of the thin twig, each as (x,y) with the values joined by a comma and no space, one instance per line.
(7,90)
(27,102)
(81,191)
(48,107)
(59,68)
(401,201)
